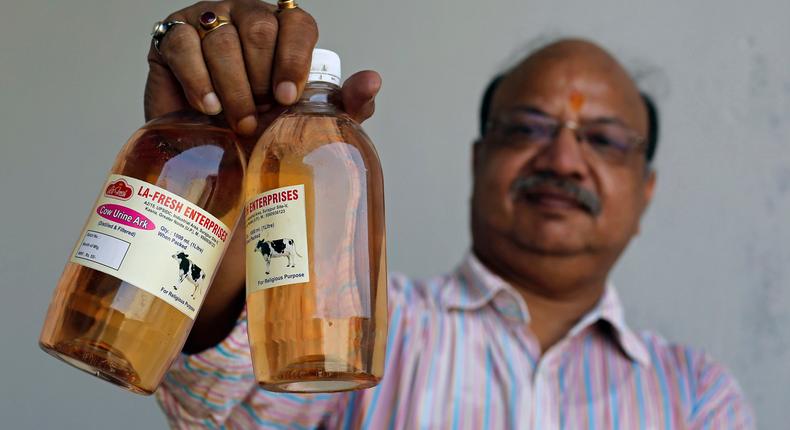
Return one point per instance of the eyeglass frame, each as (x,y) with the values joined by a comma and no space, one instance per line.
(636,142)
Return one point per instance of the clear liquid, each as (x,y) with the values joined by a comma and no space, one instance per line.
(328,334)
(110,328)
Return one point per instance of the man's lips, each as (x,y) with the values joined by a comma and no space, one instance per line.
(551,199)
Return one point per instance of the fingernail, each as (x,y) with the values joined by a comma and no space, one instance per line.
(211,104)
(285,93)
(247,125)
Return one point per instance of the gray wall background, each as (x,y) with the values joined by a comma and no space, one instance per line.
(710,267)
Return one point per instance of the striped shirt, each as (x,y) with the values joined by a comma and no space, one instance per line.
(460,355)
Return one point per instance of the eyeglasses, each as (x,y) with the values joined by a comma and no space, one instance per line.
(607,138)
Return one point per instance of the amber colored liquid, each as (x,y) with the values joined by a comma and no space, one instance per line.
(110,328)
(328,334)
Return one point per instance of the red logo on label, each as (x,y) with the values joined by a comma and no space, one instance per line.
(119,190)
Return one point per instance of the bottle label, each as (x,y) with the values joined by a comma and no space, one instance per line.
(276,246)
(154,240)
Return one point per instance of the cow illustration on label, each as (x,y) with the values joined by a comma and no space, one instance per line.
(189,271)
(277,248)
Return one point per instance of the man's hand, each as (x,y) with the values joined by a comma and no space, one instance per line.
(259,60)
(248,70)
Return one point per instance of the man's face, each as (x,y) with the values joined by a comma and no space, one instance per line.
(512,212)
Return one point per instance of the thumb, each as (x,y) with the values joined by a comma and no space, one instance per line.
(163,93)
(359,92)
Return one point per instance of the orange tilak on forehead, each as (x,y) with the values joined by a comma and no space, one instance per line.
(576,101)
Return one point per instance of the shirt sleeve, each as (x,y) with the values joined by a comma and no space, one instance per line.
(217,388)
(717,399)
(201,390)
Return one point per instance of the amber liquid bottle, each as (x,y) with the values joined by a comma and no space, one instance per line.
(128,296)
(315,248)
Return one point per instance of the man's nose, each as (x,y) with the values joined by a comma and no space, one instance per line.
(563,156)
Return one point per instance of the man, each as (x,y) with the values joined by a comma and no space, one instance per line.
(526,332)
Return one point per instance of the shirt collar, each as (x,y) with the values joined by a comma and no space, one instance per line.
(476,287)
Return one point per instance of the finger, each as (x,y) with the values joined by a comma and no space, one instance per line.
(181,51)
(359,93)
(258,26)
(163,92)
(222,53)
(298,34)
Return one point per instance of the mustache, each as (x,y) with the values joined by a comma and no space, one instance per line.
(584,197)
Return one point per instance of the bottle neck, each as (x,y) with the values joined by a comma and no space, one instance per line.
(319,96)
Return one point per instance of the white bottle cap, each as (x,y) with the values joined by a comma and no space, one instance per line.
(325,67)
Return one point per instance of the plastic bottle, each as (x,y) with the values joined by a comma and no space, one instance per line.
(129,294)
(315,246)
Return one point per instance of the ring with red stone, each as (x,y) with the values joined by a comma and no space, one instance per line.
(210,21)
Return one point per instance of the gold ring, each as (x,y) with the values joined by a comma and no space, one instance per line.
(210,21)
(286,4)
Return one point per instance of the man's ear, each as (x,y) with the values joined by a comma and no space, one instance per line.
(647,195)
(650,186)
(477,148)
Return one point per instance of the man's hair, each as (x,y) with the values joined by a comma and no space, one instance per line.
(652,115)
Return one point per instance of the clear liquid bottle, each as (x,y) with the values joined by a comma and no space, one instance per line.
(129,294)
(315,246)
